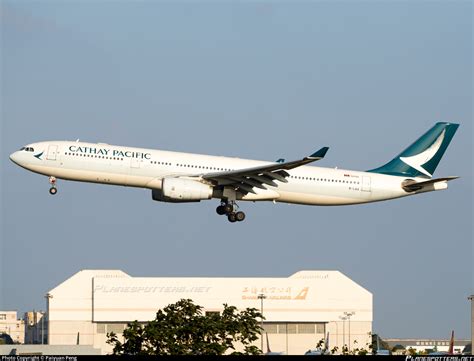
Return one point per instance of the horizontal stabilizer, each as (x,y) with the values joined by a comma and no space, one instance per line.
(413,186)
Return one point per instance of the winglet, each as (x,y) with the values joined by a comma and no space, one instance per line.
(319,154)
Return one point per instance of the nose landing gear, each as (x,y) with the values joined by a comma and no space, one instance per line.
(53,190)
(230,209)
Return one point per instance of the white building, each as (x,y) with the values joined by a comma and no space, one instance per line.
(11,325)
(298,310)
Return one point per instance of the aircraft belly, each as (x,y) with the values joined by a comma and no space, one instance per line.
(339,194)
(317,199)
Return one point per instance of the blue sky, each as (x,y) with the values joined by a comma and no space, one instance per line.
(261,80)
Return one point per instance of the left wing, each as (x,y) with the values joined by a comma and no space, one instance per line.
(244,180)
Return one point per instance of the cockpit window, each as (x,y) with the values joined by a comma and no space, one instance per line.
(22,148)
(28,149)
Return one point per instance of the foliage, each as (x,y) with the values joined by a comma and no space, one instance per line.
(5,339)
(355,350)
(182,329)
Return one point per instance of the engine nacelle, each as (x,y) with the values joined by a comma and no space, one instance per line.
(182,190)
(158,196)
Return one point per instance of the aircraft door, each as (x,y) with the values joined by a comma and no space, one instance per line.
(52,152)
(366,187)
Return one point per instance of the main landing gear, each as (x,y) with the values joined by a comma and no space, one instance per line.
(231,210)
(53,190)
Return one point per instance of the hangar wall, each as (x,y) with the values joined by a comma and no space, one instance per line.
(299,310)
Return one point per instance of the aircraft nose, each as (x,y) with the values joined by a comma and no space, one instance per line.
(14,157)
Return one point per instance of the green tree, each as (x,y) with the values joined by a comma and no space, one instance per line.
(182,329)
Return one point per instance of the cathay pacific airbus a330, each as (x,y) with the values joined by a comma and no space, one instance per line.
(184,177)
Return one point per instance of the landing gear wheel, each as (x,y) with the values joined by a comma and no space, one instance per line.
(240,216)
(220,210)
(52,190)
(231,217)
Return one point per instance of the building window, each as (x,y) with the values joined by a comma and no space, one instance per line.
(101,328)
(295,328)
(3,316)
(306,328)
(116,328)
(291,328)
(270,328)
(320,328)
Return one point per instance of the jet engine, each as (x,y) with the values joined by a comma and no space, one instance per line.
(177,190)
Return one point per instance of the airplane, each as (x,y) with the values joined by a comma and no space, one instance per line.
(380,351)
(177,177)
(450,348)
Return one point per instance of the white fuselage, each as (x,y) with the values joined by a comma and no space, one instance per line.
(145,168)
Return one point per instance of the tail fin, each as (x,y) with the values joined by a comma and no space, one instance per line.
(451,344)
(326,343)
(268,344)
(422,157)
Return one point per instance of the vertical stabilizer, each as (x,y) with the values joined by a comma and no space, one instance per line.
(326,343)
(451,344)
(268,344)
(422,157)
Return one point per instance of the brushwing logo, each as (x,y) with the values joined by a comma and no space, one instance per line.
(416,161)
(39,155)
